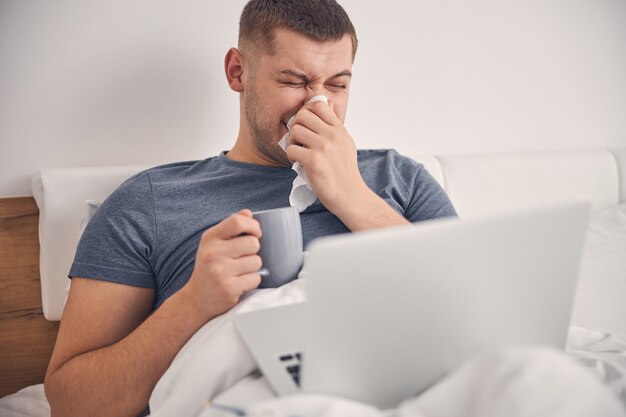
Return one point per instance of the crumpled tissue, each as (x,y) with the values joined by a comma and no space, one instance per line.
(301,194)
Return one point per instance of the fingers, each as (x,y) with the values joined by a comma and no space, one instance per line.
(235,225)
(303,136)
(226,261)
(232,238)
(314,124)
(242,266)
(309,130)
(211,250)
(308,119)
(241,246)
(317,117)
(249,282)
(298,153)
(323,111)
(226,264)
(240,274)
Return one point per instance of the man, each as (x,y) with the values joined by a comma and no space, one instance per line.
(164,254)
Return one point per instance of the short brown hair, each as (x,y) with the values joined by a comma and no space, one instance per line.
(322,20)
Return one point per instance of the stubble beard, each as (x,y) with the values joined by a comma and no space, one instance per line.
(263,135)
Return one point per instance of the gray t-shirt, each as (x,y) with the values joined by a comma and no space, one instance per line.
(147,231)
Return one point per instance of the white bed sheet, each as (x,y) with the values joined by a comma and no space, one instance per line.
(600,305)
(28,402)
(601,352)
(502,383)
(215,373)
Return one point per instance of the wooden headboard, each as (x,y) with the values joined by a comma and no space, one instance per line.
(26,337)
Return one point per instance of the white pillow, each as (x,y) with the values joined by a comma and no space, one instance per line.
(60,194)
(600,302)
(89,209)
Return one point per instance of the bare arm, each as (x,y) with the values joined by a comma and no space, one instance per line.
(365,210)
(105,362)
(109,356)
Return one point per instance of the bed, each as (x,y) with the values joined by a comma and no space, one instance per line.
(39,235)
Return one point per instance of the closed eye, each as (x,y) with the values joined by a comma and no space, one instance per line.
(336,87)
(295,85)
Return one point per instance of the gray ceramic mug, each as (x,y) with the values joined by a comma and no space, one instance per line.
(281,245)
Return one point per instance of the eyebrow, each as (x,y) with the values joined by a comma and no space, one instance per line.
(304,77)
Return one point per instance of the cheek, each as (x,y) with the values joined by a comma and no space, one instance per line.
(340,106)
(290,101)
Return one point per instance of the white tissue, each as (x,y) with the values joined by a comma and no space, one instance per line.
(301,194)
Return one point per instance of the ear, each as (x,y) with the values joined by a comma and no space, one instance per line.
(233,65)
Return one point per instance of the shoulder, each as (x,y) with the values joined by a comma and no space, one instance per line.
(177,172)
(387,160)
(172,170)
(384,155)
(138,190)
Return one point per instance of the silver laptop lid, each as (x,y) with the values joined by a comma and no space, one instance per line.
(391,311)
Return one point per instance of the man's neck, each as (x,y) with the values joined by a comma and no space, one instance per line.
(242,154)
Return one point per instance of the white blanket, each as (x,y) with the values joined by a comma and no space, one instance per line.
(215,370)
(215,375)
(215,359)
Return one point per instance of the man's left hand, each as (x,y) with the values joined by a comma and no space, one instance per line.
(327,152)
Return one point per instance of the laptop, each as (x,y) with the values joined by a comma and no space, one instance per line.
(389,312)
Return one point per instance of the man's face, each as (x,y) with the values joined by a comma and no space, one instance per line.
(278,85)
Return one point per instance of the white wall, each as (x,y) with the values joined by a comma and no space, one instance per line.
(141,81)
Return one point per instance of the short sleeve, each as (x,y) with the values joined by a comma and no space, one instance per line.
(426,199)
(119,242)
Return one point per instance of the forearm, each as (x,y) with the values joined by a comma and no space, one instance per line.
(366,210)
(118,380)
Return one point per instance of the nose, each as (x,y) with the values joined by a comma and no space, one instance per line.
(315,90)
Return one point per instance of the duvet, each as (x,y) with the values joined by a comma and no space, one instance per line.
(215,375)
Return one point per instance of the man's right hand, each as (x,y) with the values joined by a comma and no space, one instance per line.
(226,264)
(111,349)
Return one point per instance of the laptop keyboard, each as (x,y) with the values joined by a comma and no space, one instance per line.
(292,363)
